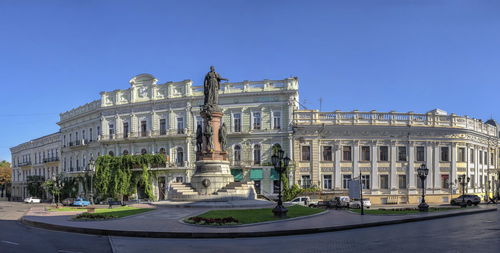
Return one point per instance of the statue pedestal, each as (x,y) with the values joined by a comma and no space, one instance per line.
(211,176)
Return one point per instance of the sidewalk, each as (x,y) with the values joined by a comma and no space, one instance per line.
(165,222)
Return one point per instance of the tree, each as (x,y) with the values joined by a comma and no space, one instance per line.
(5,177)
(35,186)
(54,186)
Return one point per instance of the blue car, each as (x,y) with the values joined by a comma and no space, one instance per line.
(80,202)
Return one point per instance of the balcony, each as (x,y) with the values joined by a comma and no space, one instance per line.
(22,164)
(147,134)
(51,159)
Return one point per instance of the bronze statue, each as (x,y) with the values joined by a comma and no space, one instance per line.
(211,86)
(199,138)
(223,136)
(208,135)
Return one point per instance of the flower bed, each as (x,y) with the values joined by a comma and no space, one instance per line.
(93,216)
(212,221)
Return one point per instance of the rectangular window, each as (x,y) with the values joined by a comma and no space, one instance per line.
(365,181)
(125,130)
(445,154)
(345,181)
(384,153)
(401,153)
(98,130)
(472,181)
(420,154)
(480,157)
(83,134)
(492,158)
(365,153)
(327,181)
(327,153)
(471,155)
(91,137)
(180,125)
(144,128)
(163,126)
(237,122)
(384,181)
(306,153)
(346,153)
(461,155)
(306,181)
(111,131)
(256,121)
(402,181)
(276,120)
(445,181)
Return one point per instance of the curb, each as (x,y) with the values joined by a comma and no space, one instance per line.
(157,234)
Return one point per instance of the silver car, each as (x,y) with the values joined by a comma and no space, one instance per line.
(468,199)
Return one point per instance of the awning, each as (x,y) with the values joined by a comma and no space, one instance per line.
(256,174)
(237,174)
(274,174)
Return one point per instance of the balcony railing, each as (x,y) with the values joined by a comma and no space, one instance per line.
(51,159)
(147,134)
(21,164)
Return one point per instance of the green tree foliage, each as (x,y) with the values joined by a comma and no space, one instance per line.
(35,188)
(54,186)
(5,177)
(119,176)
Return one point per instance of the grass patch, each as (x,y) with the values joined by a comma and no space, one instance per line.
(116,212)
(248,216)
(399,211)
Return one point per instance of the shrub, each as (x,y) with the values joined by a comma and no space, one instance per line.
(210,221)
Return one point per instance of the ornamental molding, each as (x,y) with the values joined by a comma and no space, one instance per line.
(346,169)
(329,169)
(383,169)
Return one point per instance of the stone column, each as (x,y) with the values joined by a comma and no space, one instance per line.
(454,158)
(315,170)
(429,155)
(374,163)
(355,159)
(437,170)
(411,167)
(393,170)
(337,169)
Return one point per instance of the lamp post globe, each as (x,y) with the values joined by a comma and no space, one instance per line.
(423,171)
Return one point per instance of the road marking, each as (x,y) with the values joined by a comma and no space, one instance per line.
(68,251)
(9,242)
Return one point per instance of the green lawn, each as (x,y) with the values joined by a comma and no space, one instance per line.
(398,211)
(247,216)
(116,212)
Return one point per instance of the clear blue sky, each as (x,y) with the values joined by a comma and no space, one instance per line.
(384,55)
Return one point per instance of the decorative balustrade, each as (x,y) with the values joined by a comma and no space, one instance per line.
(312,117)
(147,134)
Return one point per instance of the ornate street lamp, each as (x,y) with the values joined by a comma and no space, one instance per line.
(422,173)
(280,164)
(90,170)
(463,180)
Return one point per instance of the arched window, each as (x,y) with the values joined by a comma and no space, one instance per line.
(162,151)
(111,153)
(180,156)
(144,151)
(125,152)
(237,153)
(256,154)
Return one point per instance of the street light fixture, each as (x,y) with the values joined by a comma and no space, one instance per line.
(280,164)
(422,173)
(463,180)
(90,170)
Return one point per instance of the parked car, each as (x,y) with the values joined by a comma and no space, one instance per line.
(341,201)
(469,199)
(80,202)
(32,200)
(68,201)
(304,201)
(325,204)
(355,203)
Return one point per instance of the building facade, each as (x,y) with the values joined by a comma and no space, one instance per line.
(153,118)
(385,149)
(38,157)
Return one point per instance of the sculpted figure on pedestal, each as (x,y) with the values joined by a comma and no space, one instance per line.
(223,136)
(199,138)
(208,135)
(211,86)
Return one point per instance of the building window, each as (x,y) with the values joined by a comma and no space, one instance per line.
(445,181)
(237,122)
(180,156)
(384,153)
(306,181)
(256,125)
(480,157)
(365,153)
(144,128)
(111,131)
(327,181)
(345,181)
(256,154)
(472,181)
(365,181)
(125,130)
(346,153)
(180,125)
(276,120)
(402,181)
(492,158)
(384,181)
(401,153)
(237,153)
(461,155)
(83,134)
(445,154)
(306,153)
(91,137)
(163,127)
(472,155)
(327,153)
(420,154)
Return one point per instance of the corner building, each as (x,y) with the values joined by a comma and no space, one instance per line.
(385,150)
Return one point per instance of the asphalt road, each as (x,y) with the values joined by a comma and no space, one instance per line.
(469,233)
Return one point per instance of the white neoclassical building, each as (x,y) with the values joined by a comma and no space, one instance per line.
(385,149)
(38,157)
(151,117)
